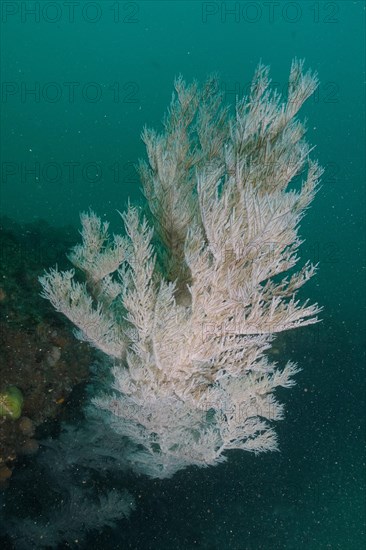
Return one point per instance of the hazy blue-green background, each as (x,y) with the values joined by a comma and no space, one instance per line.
(122,67)
(130,55)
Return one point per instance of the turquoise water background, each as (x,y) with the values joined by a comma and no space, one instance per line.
(78,86)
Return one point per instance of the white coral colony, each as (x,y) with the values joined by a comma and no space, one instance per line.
(187,319)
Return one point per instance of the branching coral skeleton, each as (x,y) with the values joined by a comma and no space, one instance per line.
(187,305)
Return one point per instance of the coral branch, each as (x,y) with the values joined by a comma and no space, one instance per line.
(190,315)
